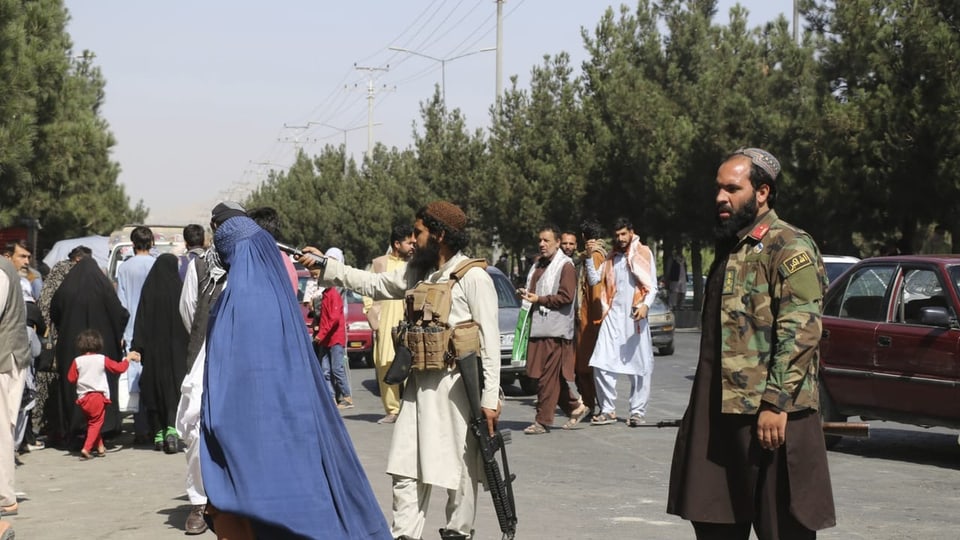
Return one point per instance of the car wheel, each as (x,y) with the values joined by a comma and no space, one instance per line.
(665,351)
(528,385)
(506,379)
(829,413)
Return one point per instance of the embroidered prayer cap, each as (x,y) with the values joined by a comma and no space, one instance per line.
(225,211)
(763,159)
(334,253)
(447,213)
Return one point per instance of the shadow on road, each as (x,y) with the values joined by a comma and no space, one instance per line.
(920,447)
(177,516)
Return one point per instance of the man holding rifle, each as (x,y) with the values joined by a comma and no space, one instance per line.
(750,449)
(451,306)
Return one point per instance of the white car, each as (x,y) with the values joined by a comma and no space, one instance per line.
(836,265)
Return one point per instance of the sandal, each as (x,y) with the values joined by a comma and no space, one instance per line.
(535,429)
(636,420)
(576,416)
(603,419)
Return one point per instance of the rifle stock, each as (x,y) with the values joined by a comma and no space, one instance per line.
(847,429)
(842,429)
(500,485)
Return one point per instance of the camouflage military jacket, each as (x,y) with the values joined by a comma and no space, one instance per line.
(770,325)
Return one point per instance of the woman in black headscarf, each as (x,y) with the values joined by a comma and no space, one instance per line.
(47,411)
(161,339)
(86,300)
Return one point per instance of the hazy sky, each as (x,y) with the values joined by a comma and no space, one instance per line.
(198,92)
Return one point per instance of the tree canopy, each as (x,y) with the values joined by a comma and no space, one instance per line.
(55,165)
(861,113)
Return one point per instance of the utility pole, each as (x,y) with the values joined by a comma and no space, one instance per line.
(443,65)
(796,28)
(499,55)
(297,143)
(344,131)
(371,95)
(260,173)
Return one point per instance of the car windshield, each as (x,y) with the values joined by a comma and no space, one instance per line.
(506,296)
(955,276)
(835,269)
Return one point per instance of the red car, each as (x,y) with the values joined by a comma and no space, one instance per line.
(891,342)
(359,333)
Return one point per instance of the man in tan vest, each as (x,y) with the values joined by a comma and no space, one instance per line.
(386,314)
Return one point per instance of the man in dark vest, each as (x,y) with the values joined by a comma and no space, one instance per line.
(14,359)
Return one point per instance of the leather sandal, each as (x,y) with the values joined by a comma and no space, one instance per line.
(576,416)
(11,510)
(603,419)
(535,429)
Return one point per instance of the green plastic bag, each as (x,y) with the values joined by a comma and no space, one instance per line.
(521,336)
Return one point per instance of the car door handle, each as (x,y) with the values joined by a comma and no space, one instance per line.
(884,341)
(825,334)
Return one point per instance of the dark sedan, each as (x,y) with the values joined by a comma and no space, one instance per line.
(891,342)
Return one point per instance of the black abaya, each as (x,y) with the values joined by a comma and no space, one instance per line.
(161,339)
(86,299)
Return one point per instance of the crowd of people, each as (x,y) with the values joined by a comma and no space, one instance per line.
(221,351)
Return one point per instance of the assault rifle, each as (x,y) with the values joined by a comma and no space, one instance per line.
(500,485)
(841,429)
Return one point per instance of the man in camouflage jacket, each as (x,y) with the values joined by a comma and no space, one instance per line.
(770,319)
(750,450)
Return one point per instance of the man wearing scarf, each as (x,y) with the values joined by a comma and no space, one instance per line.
(750,449)
(431,446)
(589,312)
(202,284)
(628,276)
(549,295)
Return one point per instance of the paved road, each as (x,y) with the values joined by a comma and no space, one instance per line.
(588,483)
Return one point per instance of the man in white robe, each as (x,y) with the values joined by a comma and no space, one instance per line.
(628,276)
(431,445)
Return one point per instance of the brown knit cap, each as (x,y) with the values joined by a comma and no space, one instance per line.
(447,213)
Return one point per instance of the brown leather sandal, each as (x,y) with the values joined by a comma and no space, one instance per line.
(535,429)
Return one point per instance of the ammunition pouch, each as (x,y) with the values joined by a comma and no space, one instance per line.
(426,331)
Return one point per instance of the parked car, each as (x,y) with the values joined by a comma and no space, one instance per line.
(661,322)
(509,310)
(359,333)
(836,265)
(891,342)
(689,292)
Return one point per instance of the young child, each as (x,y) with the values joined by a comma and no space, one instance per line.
(89,372)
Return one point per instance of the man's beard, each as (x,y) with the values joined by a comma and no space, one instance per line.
(726,230)
(426,258)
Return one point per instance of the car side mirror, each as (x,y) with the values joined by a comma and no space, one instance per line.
(935,316)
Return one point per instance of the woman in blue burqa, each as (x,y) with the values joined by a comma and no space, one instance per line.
(275,456)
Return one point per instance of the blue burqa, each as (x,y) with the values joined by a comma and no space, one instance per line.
(274,448)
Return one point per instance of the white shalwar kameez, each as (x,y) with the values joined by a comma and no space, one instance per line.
(624,345)
(431,445)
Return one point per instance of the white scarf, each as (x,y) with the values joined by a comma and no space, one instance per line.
(548,283)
